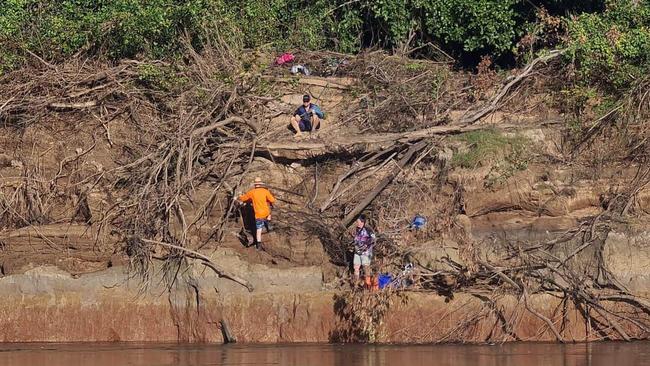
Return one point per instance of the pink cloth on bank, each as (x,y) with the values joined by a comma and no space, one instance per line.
(284,58)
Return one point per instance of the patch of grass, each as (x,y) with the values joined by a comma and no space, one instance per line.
(415,66)
(504,154)
(486,147)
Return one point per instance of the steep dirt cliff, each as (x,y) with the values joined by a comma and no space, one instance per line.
(117,220)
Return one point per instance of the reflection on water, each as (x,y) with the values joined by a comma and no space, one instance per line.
(524,354)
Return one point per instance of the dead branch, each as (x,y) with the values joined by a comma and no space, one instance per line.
(337,192)
(546,320)
(204,130)
(80,105)
(352,215)
(494,103)
(205,261)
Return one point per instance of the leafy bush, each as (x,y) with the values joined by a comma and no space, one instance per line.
(461,25)
(123,28)
(612,50)
(490,25)
(156,28)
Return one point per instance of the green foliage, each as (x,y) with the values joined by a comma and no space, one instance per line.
(612,50)
(569,7)
(154,28)
(415,66)
(348,30)
(394,17)
(122,28)
(577,98)
(609,43)
(490,25)
(462,25)
(13,17)
(484,147)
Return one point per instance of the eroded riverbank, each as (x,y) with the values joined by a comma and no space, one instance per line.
(46,304)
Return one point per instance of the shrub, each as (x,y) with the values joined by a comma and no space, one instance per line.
(612,50)
(157,28)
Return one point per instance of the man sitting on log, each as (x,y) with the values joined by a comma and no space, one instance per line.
(262,200)
(307,117)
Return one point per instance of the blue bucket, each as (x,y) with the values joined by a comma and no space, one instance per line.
(384,280)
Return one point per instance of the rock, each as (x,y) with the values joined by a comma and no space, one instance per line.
(263,278)
(47,271)
(534,135)
(295,99)
(331,273)
(627,256)
(299,248)
(47,305)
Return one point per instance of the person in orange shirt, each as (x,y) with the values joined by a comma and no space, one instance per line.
(262,200)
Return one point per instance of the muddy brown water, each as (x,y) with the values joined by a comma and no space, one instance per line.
(524,354)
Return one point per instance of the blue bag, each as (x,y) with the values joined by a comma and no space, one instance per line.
(318,111)
(384,280)
(418,222)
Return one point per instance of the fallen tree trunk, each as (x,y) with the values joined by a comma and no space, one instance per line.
(494,103)
(373,143)
(362,143)
(372,162)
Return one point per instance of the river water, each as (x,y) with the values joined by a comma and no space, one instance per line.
(128,354)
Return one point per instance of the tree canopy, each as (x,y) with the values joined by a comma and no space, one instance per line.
(601,34)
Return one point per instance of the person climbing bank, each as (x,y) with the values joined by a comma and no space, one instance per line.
(262,200)
(307,118)
(364,241)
